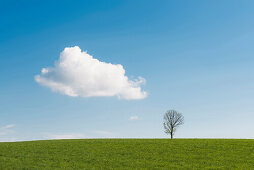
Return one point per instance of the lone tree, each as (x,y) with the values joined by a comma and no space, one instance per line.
(172,119)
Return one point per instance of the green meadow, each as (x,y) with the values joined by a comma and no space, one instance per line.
(129,154)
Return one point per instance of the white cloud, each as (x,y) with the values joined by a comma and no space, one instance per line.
(93,134)
(7,139)
(7,127)
(5,133)
(133,118)
(77,73)
(65,136)
(102,132)
(2,133)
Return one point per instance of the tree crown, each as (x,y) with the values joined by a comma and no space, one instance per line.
(172,119)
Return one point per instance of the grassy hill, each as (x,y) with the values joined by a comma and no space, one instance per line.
(129,154)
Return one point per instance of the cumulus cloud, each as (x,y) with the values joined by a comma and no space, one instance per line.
(133,118)
(77,73)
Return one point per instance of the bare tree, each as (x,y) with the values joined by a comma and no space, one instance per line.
(172,119)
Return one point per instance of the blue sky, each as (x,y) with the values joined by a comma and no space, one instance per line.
(196,58)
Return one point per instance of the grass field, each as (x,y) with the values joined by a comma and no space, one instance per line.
(129,154)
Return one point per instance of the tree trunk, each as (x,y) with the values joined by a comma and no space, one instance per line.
(171,135)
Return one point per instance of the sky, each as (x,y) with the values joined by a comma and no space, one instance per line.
(111,69)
